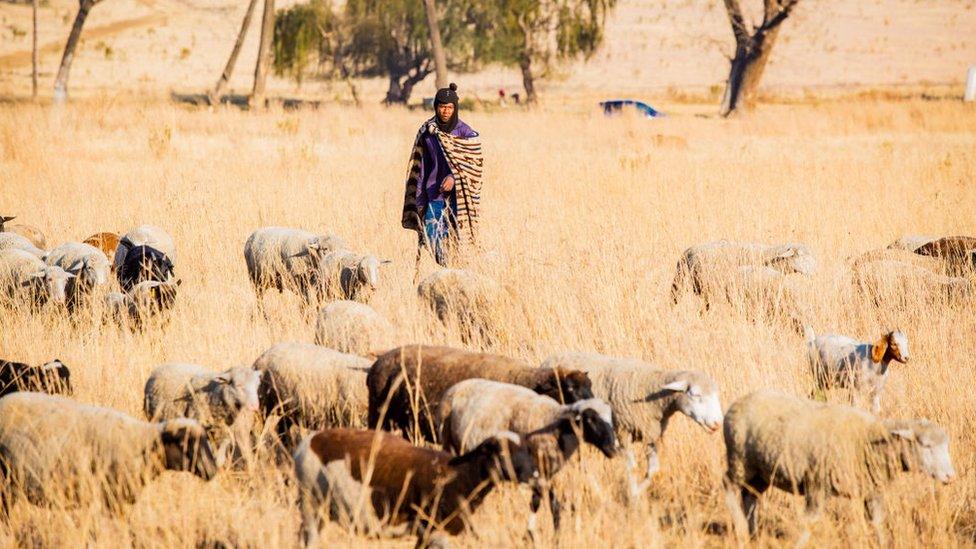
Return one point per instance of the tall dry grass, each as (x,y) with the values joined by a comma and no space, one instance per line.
(584,217)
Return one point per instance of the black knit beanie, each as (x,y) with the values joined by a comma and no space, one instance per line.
(447,95)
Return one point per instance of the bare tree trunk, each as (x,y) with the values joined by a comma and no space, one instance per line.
(34,53)
(528,81)
(264,55)
(440,59)
(229,68)
(752,51)
(394,91)
(61,82)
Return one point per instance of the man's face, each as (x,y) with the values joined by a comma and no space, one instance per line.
(445,111)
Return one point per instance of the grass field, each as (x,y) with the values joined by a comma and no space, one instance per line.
(584,217)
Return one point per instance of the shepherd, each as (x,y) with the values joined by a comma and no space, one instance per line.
(443,188)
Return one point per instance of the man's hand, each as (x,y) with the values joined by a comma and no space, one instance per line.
(448,184)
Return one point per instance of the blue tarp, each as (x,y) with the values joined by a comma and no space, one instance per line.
(614,106)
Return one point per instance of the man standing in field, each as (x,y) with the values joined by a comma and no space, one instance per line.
(443,188)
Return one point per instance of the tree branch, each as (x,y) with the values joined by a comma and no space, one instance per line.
(770,23)
(737,21)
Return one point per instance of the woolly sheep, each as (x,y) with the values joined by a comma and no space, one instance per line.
(58,452)
(406,384)
(146,300)
(107,242)
(819,450)
(89,265)
(144,263)
(14,241)
(283,258)
(470,300)
(845,362)
(53,377)
(26,279)
(144,235)
(644,398)
(764,291)
(349,275)
(311,387)
(700,267)
(421,487)
(911,242)
(900,282)
(933,264)
(31,233)
(475,409)
(351,327)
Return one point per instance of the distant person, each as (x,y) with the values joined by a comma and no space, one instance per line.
(443,188)
(516,97)
(501,97)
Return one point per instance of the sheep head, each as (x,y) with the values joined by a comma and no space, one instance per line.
(186,448)
(51,282)
(923,445)
(891,346)
(566,386)
(595,418)
(236,390)
(501,457)
(698,398)
(56,377)
(791,258)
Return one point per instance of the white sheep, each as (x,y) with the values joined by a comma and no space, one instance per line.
(283,258)
(144,235)
(14,241)
(820,450)
(351,327)
(475,410)
(936,265)
(89,265)
(644,398)
(58,452)
(902,283)
(765,291)
(24,278)
(470,300)
(702,267)
(145,301)
(859,366)
(349,275)
(311,387)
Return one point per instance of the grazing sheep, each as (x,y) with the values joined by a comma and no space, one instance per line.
(958,251)
(844,362)
(107,242)
(145,235)
(475,409)
(702,266)
(644,398)
(764,291)
(26,279)
(819,450)
(352,276)
(281,258)
(14,241)
(351,327)
(89,265)
(31,233)
(142,264)
(424,488)
(145,301)
(407,383)
(53,377)
(470,300)
(311,387)
(900,283)
(911,242)
(58,452)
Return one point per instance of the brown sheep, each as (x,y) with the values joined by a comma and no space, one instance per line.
(433,370)
(400,480)
(107,242)
(958,251)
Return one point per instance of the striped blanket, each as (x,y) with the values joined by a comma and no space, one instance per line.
(465,159)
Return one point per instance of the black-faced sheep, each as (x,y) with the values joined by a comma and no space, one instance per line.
(53,378)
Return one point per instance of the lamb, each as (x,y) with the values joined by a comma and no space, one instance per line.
(292,259)
(142,264)
(107,242)
(911,242)
(702,266)
(899,282)
(842,361)
(475,409)
(58,452)
(406,384)
(958,251)
(351,327)
(26,279)
(311,387)
(425,488)
(14,241)
(53,377)
(348,275)
(644,398)
(145,235)
(145,301)
(470,300)
(89,265)
(818,450)
(31,233)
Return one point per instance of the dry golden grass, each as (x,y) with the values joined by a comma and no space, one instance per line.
(584,217)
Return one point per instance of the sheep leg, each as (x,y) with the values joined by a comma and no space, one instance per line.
(813,512)
(735,496)
(308,504)
(555,508)
(874,508)
(653,466)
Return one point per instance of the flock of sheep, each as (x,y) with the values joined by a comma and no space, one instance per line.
(495,418)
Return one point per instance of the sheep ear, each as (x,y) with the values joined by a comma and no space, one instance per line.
(879,349)
(678,386)
(4,219)
(906,434)
(386,261)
